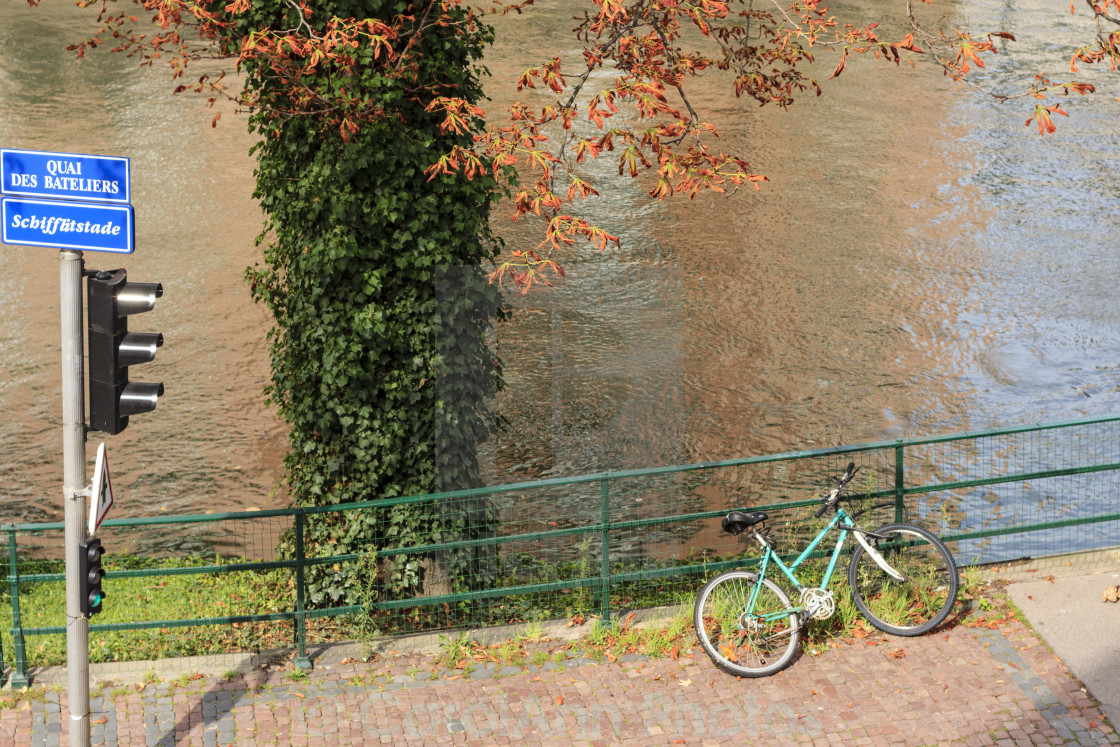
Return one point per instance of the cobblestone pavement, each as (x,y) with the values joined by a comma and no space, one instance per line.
(958,686)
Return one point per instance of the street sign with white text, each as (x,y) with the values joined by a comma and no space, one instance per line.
(65,176)
(68,225)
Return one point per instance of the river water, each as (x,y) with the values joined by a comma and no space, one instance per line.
(212,443)
(919,263)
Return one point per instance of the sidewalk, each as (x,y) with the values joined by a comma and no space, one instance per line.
(965,685)
(1065,608)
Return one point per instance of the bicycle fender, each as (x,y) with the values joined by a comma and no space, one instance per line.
(879,559)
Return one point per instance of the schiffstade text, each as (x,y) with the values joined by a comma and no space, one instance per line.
(52,225)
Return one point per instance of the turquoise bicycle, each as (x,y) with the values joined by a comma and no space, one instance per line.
(903,580)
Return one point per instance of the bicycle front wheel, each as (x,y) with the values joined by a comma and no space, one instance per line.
(754,642)
(918,601)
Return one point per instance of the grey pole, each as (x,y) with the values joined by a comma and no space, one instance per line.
(74,491)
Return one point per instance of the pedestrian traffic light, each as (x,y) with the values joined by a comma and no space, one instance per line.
(112,349)
(90,575)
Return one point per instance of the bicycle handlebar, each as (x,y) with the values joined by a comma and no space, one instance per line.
(834,495)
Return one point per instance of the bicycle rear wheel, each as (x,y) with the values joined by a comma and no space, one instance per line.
(747,645)
(925,596)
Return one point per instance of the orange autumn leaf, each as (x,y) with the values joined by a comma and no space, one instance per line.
(1042,114)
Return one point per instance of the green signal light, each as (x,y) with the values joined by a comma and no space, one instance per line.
(90,573)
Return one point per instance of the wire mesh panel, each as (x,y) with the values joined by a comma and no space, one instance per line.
(1027,493)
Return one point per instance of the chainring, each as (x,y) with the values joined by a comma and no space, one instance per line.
(819,603)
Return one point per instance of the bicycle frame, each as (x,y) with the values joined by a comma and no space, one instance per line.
(847,524)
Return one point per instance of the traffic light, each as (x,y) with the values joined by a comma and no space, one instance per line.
(112,349)
(90,575)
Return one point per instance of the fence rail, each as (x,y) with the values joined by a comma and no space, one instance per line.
(593,544)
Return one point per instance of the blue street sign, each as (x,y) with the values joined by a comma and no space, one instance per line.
(64,176)
(68,225)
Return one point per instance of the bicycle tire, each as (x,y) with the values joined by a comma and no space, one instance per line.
(916,605)
(758,649)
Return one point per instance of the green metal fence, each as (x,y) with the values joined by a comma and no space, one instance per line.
(594,544)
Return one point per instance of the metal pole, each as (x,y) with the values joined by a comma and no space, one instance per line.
(74,491)
(899,480)
(605,558)
(301,661)
(19,666)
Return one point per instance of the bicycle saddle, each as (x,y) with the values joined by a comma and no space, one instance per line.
(738,522)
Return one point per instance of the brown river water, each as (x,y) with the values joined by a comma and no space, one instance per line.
(919,263)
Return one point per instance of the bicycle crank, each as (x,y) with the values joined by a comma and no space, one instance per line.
(818,603)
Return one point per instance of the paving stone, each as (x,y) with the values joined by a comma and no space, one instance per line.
(959,685)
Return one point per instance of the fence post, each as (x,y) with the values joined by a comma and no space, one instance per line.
(19,666)
(605,561)
(301,660)
(899,482)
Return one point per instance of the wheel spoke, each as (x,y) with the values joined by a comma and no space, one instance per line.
(748,642)
(925,596)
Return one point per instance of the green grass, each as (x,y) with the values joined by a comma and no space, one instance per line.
(155,598)
(531,631)
(454,649)
(510,652)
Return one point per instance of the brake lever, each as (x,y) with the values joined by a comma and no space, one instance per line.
(831,500)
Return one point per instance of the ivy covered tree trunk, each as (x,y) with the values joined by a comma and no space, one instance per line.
(374,276)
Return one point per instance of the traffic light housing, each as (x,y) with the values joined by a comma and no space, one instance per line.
(112,349)
(90,575)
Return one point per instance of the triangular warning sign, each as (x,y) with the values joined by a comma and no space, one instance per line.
(101,497)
